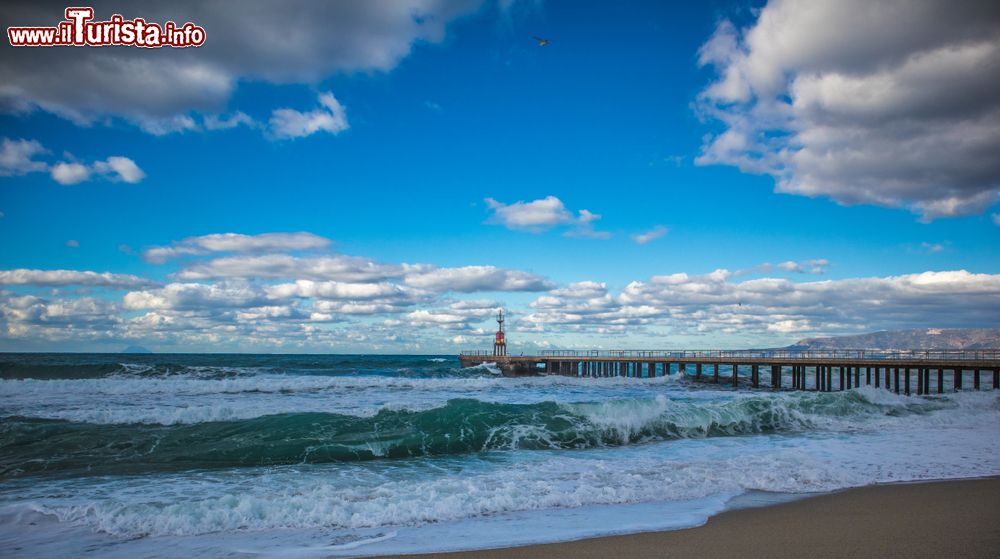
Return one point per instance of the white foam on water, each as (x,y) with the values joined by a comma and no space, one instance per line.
(184,399)
(487,367)
(793,443)
(621,409)
(503,498)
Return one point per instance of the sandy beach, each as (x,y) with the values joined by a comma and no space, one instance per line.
(938,519)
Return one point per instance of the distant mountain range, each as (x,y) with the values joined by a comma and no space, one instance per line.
(928,338)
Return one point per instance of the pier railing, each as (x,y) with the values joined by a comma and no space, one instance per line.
(832,354)
(893,354)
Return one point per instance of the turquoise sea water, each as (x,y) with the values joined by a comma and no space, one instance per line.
(247,455)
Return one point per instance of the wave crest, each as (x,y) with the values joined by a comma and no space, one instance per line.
(461,426)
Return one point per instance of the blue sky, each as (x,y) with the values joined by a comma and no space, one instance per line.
(454,141)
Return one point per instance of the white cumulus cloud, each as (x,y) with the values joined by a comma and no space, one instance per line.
(236,242)
(651,235)
(888,103)
(468,279)
(291,42)
(62,278)
(69,173)
(543,214)
(120,168)
(196,296)
(17,157)
(336,290)
(219,122)
(714,303)
(329,117)
(116,168)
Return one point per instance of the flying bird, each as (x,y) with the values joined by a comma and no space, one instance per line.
(541,42)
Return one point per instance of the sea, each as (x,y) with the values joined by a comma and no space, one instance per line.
(169,455)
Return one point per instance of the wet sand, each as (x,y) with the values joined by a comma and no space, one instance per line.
(934,520)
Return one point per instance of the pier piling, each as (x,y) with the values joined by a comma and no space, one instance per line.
(651,364)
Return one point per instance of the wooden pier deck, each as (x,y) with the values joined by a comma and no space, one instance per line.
(904,371)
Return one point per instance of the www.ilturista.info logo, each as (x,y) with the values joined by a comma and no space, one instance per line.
(78,31)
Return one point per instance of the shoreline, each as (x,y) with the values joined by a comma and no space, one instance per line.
(946,518)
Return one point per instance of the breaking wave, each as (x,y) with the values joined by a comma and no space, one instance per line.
(461,426)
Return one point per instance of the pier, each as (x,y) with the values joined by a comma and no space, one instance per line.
(901,371)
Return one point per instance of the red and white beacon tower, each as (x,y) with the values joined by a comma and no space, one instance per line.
(500,344)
